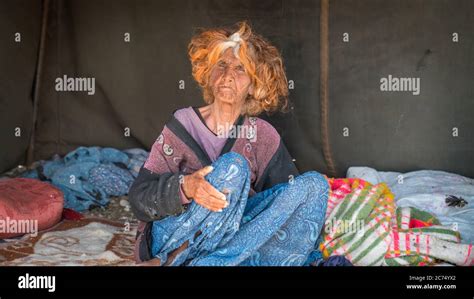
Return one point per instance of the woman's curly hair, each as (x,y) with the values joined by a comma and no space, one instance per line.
(261,60)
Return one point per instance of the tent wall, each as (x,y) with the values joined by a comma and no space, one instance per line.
(398,130)
(18,57)
(137,82)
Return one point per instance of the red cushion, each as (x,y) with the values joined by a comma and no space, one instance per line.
(37,204)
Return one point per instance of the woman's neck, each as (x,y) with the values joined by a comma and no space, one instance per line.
(220,116)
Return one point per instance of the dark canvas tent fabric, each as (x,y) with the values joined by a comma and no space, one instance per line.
(138,82)
(398,130)
(19,35)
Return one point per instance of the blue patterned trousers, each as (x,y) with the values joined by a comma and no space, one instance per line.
(279,226)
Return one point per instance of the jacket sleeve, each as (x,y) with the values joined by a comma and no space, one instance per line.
(278,170)
(154,196)
(155,193)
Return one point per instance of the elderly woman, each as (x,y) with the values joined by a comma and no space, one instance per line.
(219,187)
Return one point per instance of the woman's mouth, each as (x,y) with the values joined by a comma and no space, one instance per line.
(225,88)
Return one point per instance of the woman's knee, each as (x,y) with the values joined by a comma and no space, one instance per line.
(229,168)
(229,163)
(232,158)
(314,194)
(311,181)
(313,189)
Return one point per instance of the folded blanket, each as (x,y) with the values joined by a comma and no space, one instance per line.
(364,225)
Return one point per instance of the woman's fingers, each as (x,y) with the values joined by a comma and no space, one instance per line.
(205,171)
(213,191)
(210,197)
(217,200)
(209,204)
(192,182)
(205,194)
(213,202)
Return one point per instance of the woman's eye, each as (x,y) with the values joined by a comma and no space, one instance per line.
(240,68)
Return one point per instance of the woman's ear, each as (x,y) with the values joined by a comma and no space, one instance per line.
(251,90)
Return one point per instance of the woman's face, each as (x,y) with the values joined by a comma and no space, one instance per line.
(229,82)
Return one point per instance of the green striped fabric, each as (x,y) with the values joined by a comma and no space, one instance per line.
(367,228)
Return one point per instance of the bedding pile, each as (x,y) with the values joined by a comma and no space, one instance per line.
(364,224)
(90,175)
(430,191)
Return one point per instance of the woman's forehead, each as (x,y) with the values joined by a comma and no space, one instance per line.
(228,56)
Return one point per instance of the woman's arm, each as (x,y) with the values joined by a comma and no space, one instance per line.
(154,196)
(155,193)
(159,192)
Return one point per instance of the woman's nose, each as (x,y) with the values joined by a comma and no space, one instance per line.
(228,75)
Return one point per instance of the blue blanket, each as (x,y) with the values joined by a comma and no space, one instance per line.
(90,175)
(277,227)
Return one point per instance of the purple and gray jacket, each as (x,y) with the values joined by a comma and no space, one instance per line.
(183,148)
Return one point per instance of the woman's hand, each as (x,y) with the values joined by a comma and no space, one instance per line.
(196,187)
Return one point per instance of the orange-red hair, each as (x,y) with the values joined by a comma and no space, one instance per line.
(261,60)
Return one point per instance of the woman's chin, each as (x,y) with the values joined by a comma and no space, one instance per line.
(226,100)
